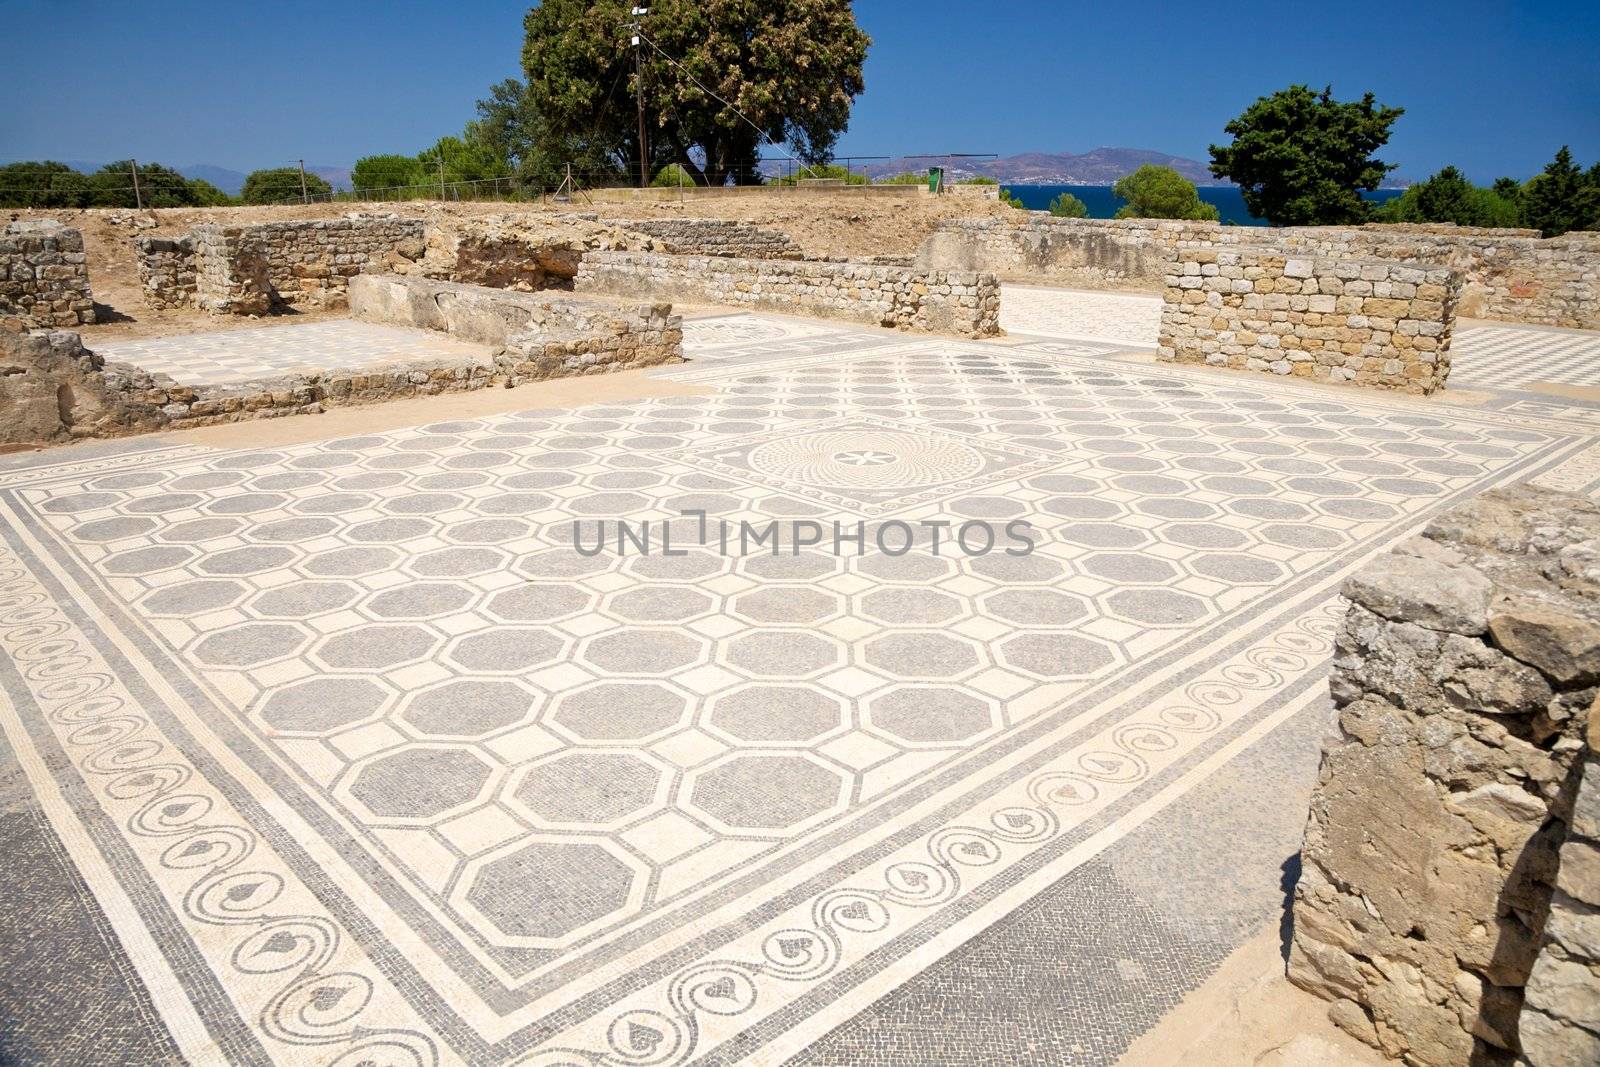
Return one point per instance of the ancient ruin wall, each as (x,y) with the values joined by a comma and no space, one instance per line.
(1374,323)
(248,270)
(1511,275)
(1465,678)
(557,335)
(718,237)
(166,270)
(934,301)
(44,276)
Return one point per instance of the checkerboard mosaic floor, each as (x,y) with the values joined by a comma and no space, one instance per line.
(384,750)
(1511,357)
(234,356)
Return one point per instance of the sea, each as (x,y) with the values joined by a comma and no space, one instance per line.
(1103,203)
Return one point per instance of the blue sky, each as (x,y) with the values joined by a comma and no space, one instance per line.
(1492,87)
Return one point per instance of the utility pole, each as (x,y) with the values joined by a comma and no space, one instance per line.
(441,175)
(638,82)
(305,197)
(138,200)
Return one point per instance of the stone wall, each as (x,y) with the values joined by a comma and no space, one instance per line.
(44,276)
(718,237)
(1511,275)
(1560,1021)
(249,270)
(166,270)
(1369,322)
(230,271)
(955,302)
(1465,679)
(557,334)
(519,250)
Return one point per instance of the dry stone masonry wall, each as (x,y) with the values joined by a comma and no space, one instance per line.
(1511,275)
(1369,322)
(44,276)
(1465,677)
(718,237)
(249,270)
(958,302)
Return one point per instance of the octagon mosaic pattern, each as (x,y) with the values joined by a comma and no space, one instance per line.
(421,782)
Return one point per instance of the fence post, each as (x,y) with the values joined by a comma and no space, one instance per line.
(138,200)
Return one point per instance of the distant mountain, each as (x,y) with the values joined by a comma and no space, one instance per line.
(1101,166)
(229,181)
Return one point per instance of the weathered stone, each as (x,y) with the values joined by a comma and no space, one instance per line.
(1410,589)
(1564,647)
(44,276)
(1434,847)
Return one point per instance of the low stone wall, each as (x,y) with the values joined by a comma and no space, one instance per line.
(248,270)
(718,237)
(517,250)
(44,276)
(955,302)
(1465,678)
(1511,275)
(558,335)
(1373,323)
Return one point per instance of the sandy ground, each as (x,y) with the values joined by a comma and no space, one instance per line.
(1247,1014)
(818,222)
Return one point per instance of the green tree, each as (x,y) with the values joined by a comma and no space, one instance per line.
(1449,197)
(1067,206)
(1302,158)
(1155,192)
(159,186)
(385,172)
(791,67)
(280,185)
(42,184)
(207,195)
(469,158)
(510,123)
(1562,198)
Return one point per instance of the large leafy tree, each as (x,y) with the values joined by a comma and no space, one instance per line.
(278,185)
(1155,192)
(159,186)
(790,68)
(1562,197)
(42,184)
(386,172)
(1302,158)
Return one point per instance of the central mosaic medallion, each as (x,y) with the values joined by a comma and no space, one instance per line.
(869,466)
(867,459)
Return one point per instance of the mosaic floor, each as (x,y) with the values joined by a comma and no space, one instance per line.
(232,356)
(384,750)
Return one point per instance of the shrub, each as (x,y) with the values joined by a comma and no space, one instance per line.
(671,176)
(1154,192)
(909,177)
(279,185)
(1067,206)
(1010,200)
(978,179)
(826,170)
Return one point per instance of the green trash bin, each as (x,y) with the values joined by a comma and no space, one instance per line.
(935,179)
